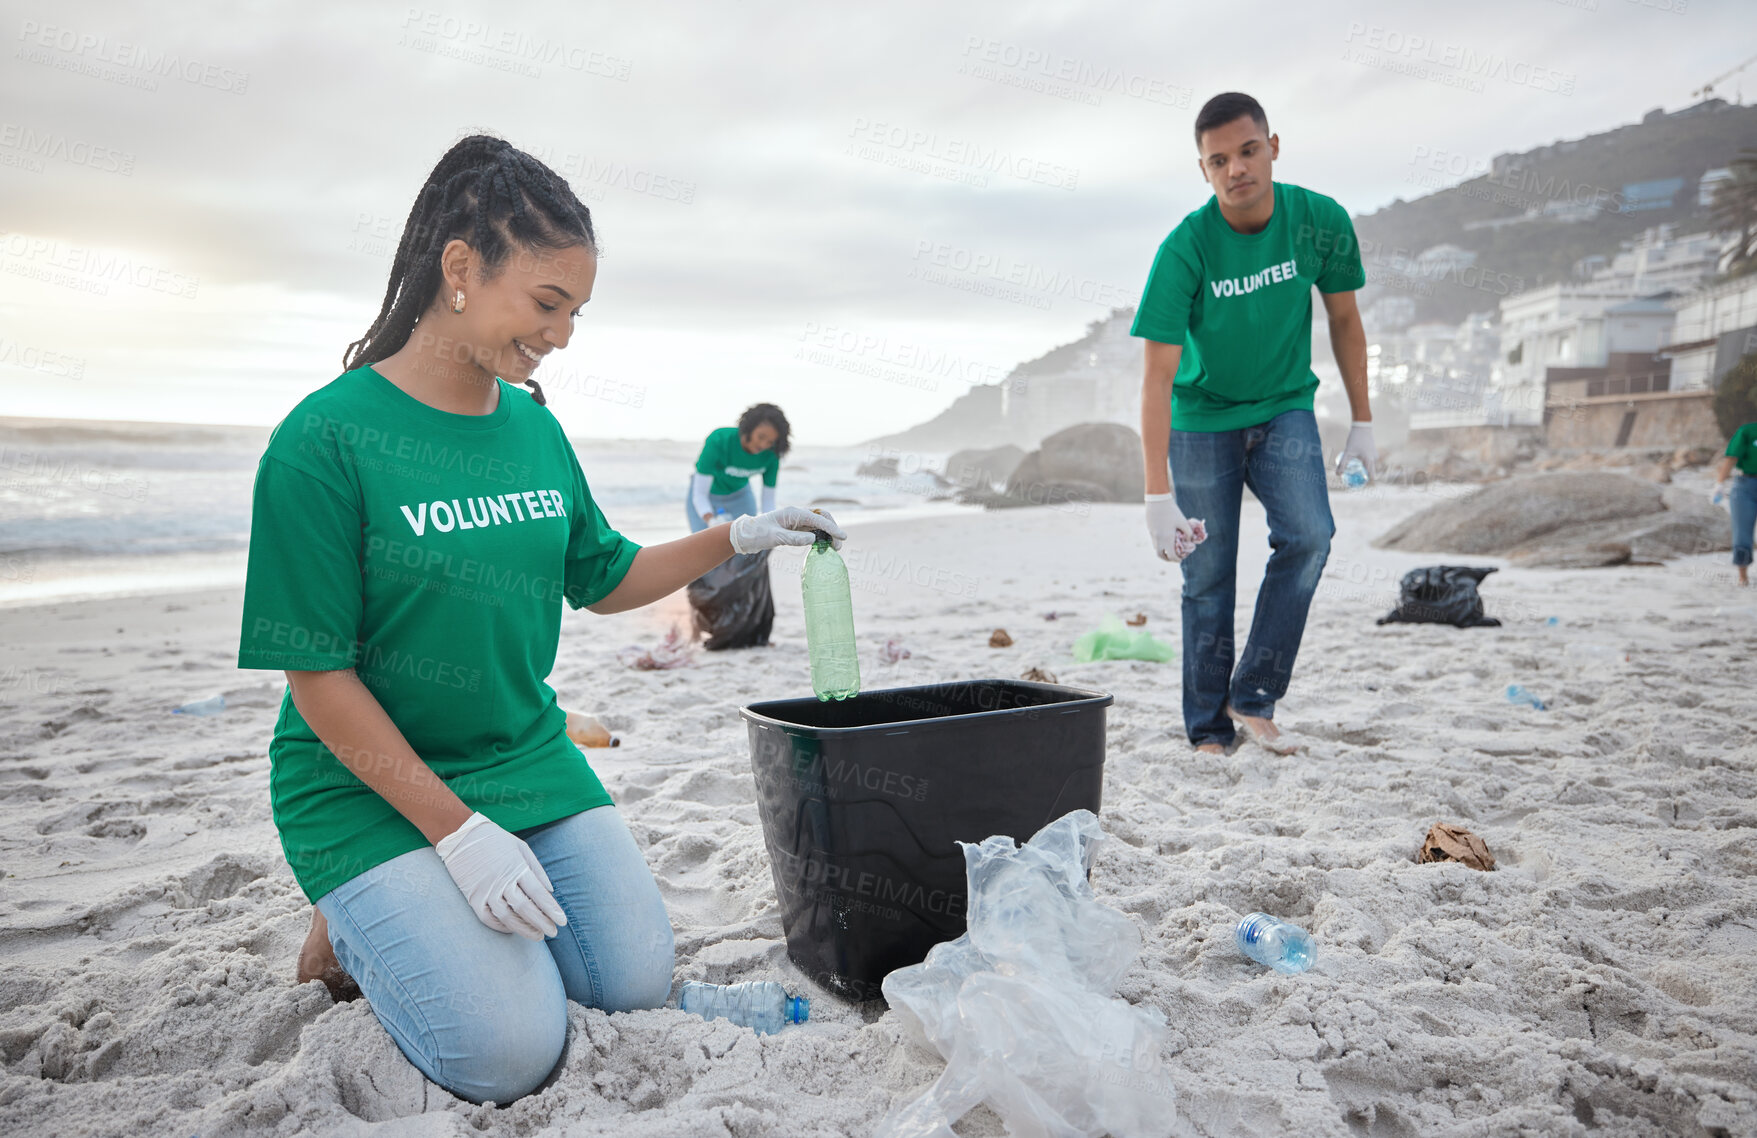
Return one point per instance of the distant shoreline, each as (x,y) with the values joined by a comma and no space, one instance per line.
(134,429)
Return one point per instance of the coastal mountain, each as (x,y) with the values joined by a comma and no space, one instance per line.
(1514,221)
(1096,378)
(1530,219)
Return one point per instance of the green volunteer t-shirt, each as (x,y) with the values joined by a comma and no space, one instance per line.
(431,553)
(1743,447)
(732,466)
(1241,307)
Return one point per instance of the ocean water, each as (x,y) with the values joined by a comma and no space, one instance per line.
(118,508)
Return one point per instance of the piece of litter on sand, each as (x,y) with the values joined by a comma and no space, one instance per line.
(1137,620)
(212,705)
(1442,594)
(1519,694)
(1023,1005)
(999,639)
(1040,676)
(587,730)
(1111,641)
(1446,842)
(671,652)
(893,651)
(1182,547)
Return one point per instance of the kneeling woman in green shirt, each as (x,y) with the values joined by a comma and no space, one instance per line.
(730,458)
(418,524)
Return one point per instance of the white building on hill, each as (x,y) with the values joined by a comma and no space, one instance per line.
(1715,328)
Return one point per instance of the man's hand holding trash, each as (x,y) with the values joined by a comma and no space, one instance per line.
(1174,536)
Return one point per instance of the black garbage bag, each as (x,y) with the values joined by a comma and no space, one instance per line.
(1441,594)
(731,602)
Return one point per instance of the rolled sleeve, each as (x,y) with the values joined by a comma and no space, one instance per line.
(303,587)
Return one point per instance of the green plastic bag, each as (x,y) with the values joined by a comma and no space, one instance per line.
(1114,641)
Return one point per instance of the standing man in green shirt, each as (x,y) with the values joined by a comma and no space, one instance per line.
(1741,495)
(1227,403)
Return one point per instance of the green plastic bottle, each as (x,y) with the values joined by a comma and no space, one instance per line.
(829,624)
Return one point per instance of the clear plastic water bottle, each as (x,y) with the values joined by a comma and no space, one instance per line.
(759,1004)
(829,624)
(213,705)
(1354,475)
(1517,694)
(1272,941)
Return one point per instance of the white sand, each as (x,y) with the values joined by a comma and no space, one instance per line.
(1604,979)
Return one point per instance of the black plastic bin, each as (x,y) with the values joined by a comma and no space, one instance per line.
(863,803)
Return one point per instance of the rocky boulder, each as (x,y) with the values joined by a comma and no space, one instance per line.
(981,469)
(1089,462)
(902,477)
(1567,520)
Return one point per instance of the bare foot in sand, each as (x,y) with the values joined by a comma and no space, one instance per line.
(1265,733)
(317,961)
(1211,749)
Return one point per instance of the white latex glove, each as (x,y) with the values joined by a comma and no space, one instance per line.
(1174,536)
(1717,496)
(501,879)
(1360,445)
(789,525)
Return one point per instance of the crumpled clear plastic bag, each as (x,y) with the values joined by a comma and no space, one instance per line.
(1022,1006)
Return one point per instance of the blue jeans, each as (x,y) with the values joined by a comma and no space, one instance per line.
(1742,502)
(484,1013)
(738,503)
(1282,462)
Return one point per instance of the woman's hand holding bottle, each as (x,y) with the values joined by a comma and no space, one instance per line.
(501,879)
(789,525)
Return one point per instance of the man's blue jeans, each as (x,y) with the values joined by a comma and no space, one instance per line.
(1282,462)
(484,1013)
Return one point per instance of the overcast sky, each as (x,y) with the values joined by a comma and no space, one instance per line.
(854,214)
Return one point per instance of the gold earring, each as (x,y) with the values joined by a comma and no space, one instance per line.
(457,303)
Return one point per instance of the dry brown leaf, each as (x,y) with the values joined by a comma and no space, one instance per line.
(1000,639)
(1038,675)
(1137,620)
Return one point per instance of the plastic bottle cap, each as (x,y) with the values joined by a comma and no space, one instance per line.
(798,1009)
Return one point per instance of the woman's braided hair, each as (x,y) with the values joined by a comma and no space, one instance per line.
(494,197)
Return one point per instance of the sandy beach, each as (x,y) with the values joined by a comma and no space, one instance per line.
(1603,980)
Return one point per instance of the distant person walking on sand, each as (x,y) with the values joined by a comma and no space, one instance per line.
(730,458)
(1740,494)
(1227,403)
(417,524)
